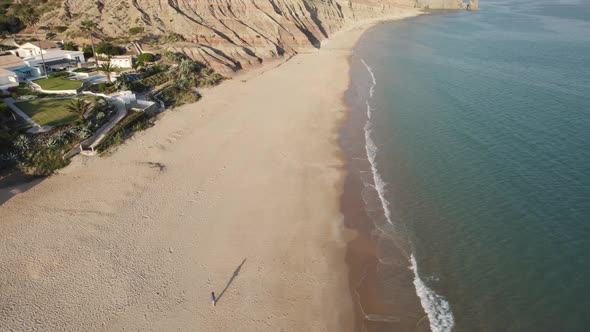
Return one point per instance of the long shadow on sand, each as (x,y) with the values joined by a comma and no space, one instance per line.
(236,272)
(16,183)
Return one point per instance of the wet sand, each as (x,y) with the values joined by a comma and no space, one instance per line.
(384,294)
(380,278)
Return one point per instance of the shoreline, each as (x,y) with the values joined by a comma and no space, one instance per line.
(207,199)
(394,306)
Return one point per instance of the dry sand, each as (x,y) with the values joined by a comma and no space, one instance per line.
(242,187)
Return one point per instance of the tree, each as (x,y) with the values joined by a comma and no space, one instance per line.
(89,26)
(146,57)
(136,30)
(30,18)
(70,46)
(107,68)
(109,49)
(123,82)
(135,65)
(78,106)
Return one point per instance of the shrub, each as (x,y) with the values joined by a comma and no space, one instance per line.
(61,28)
(177,96)
(109,49)
(60,74)
(134,122)
(4,108)
(136,30)
(83,70)
(174,37)
(174,57)
(70,46)
(146,57)
(87,49)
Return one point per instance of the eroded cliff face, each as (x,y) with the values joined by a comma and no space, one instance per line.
(230,34)
(440,4)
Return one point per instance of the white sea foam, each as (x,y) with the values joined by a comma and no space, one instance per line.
(372,76)
(436,307)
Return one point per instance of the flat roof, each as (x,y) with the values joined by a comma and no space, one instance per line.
(4,72)
(9,61)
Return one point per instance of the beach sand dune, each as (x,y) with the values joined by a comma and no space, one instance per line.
(237,194)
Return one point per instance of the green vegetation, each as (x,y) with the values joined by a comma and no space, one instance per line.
(89,26)
(174,37)
(177,96)
(134,122)
(136,30)
(174,57)
(78,106)
(59,74)
(23,90)
(49,112)
(107,69)
(70,46)
(123,83)
(10,24)
(58,83)
(146,57)
(84,70)
(61,28)
(109,49)
(9,20)
(41,154)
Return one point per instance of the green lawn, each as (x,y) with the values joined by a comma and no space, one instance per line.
(48,112)
(58,83)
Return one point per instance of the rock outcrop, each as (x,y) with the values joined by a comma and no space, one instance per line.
(228,34)
(473,5)
(440,4)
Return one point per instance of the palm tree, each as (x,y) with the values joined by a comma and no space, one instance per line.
(78,106)
(30,18)
(107,68)
(89,26)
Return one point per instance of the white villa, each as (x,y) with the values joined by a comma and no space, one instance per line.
(56,60)
(12,67)
(35,48)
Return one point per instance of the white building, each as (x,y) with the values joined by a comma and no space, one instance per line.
(56,60)
(8,79)
(35,48)
(17,67)
(122,61)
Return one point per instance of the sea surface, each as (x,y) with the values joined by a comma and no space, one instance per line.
(477,129)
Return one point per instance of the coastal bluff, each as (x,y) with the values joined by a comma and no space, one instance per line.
(229,35)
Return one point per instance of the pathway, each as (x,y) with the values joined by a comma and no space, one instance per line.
(102,132)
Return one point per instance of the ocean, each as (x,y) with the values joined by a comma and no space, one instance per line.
(476,129)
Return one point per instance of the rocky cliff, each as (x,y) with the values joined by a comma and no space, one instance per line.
(227,34)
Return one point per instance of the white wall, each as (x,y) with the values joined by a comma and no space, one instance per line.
(121,63)
(8,81)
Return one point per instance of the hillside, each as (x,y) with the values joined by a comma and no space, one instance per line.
(226,34)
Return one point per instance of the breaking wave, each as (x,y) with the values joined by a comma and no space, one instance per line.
(436,307)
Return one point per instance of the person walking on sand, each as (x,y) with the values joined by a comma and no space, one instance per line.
(213,298)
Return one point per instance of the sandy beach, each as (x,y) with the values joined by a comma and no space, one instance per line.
(237,194)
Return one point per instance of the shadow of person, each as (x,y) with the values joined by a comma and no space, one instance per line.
(236,272)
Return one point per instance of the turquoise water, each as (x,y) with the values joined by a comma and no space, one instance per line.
(479,134)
